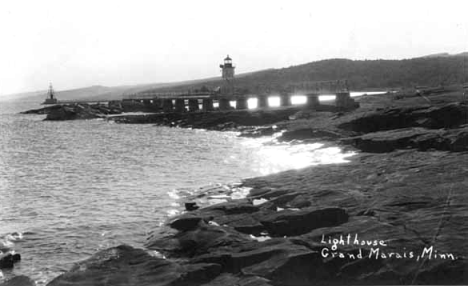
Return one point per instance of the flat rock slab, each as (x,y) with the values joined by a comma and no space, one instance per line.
(432,117)
(122,265)
(292,222)
(455,140)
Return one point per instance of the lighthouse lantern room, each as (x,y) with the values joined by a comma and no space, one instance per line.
(227,69)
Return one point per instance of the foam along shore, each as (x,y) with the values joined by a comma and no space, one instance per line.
(407,188)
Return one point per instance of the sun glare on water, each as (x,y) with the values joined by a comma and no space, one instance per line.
(276,157)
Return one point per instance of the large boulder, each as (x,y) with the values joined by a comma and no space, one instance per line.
(8,259)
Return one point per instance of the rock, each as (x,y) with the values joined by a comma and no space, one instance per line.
(268,193)
(196,274)
(284,262)
(230,279)
(235,214)
(75,111)
(280,261)
(291,223)
(215,120)
(446,116)
(8,260)
(385,141)
(186,223)
(233,207)
(61,113)
(242,222)
(191,206)
(309,133)
(258,132)
(121,265)
(283,200)
(420,138)
(44,110)
(406,198)
(19,281)
(200,240)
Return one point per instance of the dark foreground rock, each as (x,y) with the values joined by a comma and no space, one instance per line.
(8,260)
(19,281)
(124,265)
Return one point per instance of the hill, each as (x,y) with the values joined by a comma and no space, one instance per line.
(444,55)
(361,74)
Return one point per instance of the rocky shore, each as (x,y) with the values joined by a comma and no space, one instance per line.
(76,111)
(395,214)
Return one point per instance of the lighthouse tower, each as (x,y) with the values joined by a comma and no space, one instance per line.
(51,99)
(227,69)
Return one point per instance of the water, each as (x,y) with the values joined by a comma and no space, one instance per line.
(71,188)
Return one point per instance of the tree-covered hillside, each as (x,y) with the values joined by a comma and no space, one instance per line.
(361,74)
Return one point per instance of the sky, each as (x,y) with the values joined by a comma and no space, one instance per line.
(82,43)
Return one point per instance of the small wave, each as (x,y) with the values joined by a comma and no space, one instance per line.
(209,195)
(173,212)
(6,245)
(15,236)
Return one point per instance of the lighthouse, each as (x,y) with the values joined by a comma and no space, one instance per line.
(51,99)
(227,72)
(227,69)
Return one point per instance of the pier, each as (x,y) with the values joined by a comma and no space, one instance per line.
(207,100)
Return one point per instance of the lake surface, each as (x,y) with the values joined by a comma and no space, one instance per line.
(71,188)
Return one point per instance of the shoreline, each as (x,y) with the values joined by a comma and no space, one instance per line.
(407,188)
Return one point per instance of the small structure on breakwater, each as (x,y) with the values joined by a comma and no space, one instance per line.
(50,99)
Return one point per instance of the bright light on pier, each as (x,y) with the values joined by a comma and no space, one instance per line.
(252,103)
(298,99)
(274,101)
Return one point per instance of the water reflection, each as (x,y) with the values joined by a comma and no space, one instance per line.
(271,157)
